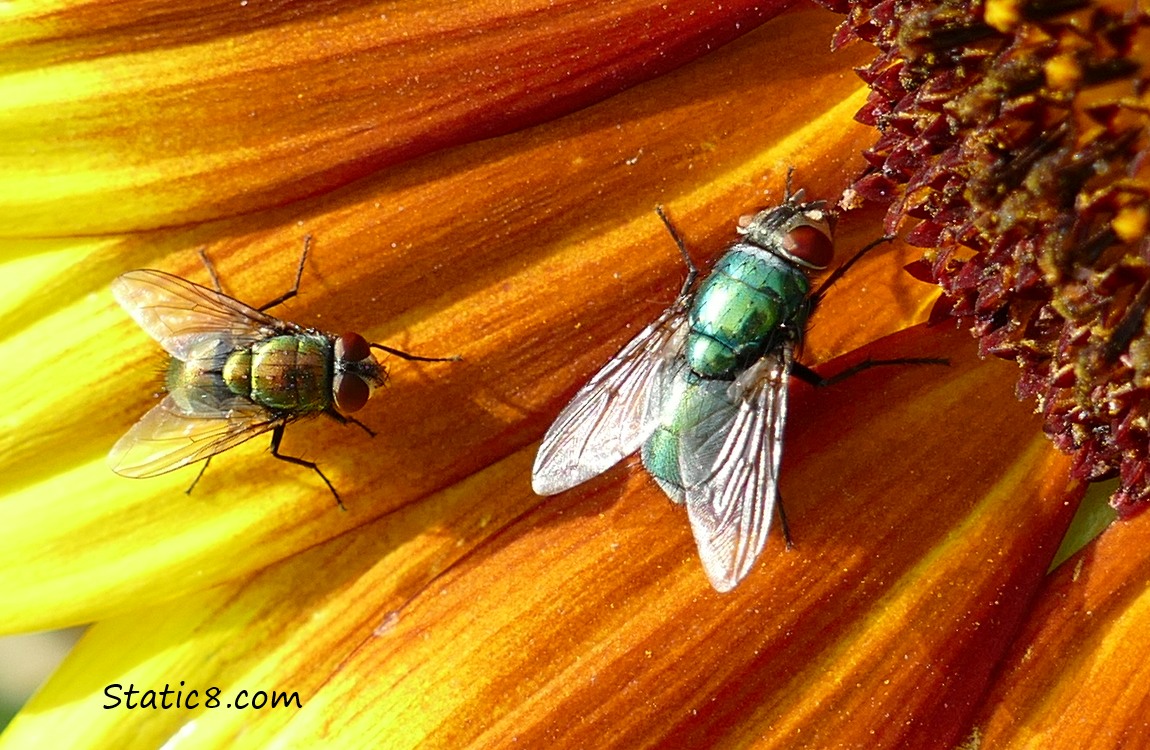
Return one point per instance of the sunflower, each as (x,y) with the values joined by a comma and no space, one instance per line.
(480,180)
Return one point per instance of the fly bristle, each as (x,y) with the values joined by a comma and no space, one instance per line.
(162,367)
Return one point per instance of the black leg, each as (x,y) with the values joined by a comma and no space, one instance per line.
(692,269)
(344,419)
(211,272)
(196,481)
(361,425)
(783,520)
(807,375)
(839,272)
(277,436)
(414,357)
(278,300)
(295,287)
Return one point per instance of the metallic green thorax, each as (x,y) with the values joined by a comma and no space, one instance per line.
(751,303)
(754,302)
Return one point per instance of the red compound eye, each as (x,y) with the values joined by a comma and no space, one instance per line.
(810,246)
(351,392)
(351,347)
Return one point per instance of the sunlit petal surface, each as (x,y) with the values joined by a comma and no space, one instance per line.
(1078,674)
(141,114)
(482,251)
(483,614)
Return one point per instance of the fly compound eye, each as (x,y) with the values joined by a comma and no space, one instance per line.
(351,347)
(351,392)
(809,246)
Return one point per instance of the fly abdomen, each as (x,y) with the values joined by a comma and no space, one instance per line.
(291,373)
(751,301)
(690,432)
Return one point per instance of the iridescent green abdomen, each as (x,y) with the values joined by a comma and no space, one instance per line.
(693,406)
(292,372)
(752,301)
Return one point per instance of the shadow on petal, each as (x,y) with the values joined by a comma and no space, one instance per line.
(587,619)
(532,255)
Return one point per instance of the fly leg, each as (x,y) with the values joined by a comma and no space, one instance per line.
(692,269)
(211,271)
(291,293)
(344,419)
(196,481)
(278,300)
(413,357)
(839,272)
(807,375)
(783,520)
(277,436)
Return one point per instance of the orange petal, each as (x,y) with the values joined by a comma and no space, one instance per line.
(535,256)
(142,117)
(1077,673)
(925,507)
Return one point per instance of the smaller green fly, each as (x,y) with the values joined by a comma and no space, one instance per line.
(702,391)
(236,372)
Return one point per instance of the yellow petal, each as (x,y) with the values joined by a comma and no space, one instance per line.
(529,255)
(483,615)
(136,117)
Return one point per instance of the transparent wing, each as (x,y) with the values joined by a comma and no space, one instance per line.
(172,435)
(178,314)
(618,409)
(730,467)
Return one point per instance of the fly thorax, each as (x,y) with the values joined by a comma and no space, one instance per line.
(749,304)
(291,372)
